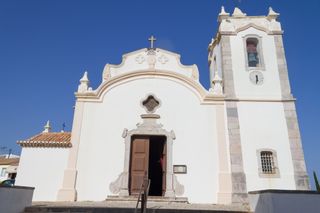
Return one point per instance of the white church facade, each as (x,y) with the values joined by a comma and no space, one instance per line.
(151,117)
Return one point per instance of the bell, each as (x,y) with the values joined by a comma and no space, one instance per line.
(253,59)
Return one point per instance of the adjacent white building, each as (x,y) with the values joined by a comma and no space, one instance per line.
(151,117)
(8,166)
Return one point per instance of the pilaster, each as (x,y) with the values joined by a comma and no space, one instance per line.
(225,183)
(238,177)
(299,166)
(68,191)
(226,58)
(282,68)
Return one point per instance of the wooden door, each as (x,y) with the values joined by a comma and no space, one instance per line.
(139,163)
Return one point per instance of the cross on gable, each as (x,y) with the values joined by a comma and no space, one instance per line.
(152,39)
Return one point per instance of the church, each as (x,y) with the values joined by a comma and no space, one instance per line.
(151,117)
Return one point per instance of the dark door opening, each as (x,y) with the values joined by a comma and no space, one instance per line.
(156,171)
(148,156)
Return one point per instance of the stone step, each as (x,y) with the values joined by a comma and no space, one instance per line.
(127,206)
(118,210)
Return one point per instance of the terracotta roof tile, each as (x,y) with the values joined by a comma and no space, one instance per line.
(48,139)
(9,161)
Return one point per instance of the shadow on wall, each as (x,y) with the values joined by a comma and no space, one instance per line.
(279,201)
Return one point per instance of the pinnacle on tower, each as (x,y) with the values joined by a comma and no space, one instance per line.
(238,13)
(223,14)
(272,15)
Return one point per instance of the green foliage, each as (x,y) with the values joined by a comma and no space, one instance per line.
(316,181)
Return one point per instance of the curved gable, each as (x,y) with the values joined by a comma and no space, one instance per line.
(141,64)
(150,59)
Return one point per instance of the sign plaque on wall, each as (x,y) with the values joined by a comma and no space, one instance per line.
(179,169)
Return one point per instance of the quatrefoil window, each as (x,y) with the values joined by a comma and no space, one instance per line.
(150,104)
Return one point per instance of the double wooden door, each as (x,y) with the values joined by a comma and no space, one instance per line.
(148,158)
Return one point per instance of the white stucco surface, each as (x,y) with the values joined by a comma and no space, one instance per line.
(263,126)
(243,87)
(43,169)
(180,110)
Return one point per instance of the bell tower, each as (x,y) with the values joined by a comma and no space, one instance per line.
(247,56)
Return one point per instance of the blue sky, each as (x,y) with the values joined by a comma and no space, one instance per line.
(45,46)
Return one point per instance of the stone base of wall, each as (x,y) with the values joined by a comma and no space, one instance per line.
(279,201)
(15,199)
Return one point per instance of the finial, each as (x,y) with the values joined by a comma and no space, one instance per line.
(217,84)
(47,127)
(223,14)
(84,77)
(238,13)
(152,39)
(272,15)
(84,83)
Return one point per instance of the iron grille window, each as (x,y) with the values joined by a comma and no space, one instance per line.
(267,162)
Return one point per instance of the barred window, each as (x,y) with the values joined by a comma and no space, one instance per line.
(267,162)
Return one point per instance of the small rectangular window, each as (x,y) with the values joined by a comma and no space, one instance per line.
(267,162)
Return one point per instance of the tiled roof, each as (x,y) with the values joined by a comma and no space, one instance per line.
(9,161)
(48,139)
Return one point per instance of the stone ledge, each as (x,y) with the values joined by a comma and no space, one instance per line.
(283,191)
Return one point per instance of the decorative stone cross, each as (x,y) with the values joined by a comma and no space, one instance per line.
(152,39)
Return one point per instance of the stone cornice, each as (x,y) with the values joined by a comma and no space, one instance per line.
(194,86)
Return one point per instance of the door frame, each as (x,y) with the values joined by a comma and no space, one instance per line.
(147,128)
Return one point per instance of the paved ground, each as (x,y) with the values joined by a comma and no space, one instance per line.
(151,205)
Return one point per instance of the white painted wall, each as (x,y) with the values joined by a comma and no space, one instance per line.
(101,151)
(263,125)
(43,169)
(242,84)
(3,173)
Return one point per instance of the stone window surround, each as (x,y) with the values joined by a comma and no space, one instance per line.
(276,173)
(146,97)
(260,52)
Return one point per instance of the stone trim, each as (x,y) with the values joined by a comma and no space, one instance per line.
(149,126)
(282,67)
(238,177)
(68,191)
(299,166)
(97,95)
(284,191)
(157,54)
(225,183)
(227,72)
(260,52)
